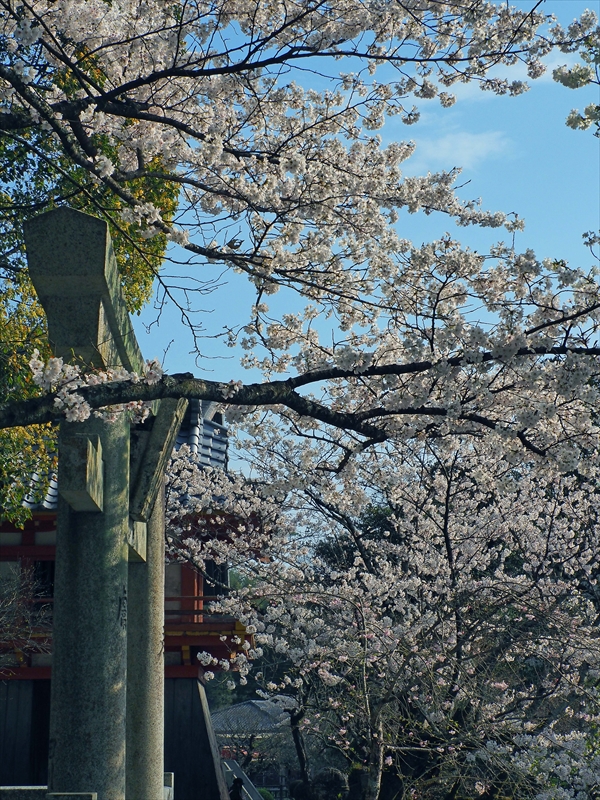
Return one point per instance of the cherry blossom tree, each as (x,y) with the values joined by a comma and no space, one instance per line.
(25,616)
(527,374)
(419,533)
(436,604)
(292,187)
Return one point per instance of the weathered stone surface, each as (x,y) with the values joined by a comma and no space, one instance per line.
(74,271)
(145,671)
(150,471)
(72,795)
(23,792)
(169,786)
(136,540)
(82,473)
(88,700)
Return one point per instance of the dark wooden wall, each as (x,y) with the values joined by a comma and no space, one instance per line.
(24,726)
(187,745)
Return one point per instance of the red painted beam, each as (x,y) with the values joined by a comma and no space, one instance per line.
(181,671)
(25,673)
(38,552)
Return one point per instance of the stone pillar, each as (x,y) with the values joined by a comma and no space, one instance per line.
(73,269)
(88,694)
(105,516)
(151,447)
(145,664)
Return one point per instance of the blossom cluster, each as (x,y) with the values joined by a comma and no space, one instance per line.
(584,74)
(64,380)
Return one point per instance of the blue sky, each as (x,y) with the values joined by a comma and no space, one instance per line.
(516,154)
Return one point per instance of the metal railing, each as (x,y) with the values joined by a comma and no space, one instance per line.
(233,770)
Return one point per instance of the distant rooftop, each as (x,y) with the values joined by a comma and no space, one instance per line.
(205,434)
(251,717)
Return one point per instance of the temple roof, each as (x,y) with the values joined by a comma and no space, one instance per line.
(251,717)
(205,434)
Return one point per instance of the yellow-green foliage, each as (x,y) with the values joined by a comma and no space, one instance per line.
(23,451)
(34,178)
(139,259)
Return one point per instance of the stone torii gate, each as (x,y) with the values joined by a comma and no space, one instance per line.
(106,717)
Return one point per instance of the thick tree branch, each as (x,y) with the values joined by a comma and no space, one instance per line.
(330,373)
(15,121)
(42,409)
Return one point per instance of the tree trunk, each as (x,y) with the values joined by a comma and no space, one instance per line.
(372,785)
(295,719)
(247,760)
